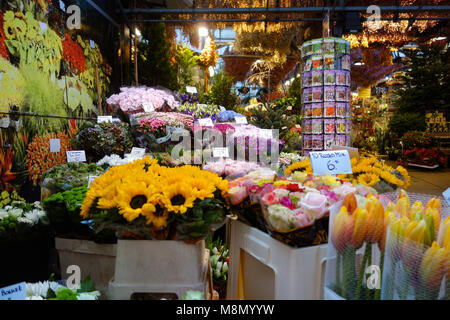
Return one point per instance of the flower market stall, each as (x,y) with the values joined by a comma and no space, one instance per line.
(237,150)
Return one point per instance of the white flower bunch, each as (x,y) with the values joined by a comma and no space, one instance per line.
(39,291)
(116,160)
(22,212)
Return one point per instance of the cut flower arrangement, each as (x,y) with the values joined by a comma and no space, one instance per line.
(367,171)
(143,200)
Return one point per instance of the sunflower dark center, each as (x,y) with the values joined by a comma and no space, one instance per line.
(138,201)
(178,200)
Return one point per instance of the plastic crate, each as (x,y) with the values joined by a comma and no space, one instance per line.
(263,268)
(153,267)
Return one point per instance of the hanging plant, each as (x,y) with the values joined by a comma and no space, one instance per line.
(209,55)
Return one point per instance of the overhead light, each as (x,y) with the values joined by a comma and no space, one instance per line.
(359,63)
(438,38)
(138,33)
(203,32)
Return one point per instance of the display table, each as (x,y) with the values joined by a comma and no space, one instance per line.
(263,268)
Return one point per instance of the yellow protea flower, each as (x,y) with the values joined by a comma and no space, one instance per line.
(368,179)
(178,198)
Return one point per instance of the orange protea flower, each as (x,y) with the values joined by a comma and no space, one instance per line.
(39,157)
(6,175)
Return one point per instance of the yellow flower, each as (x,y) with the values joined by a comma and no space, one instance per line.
(280,183)
(302,165)
(368,179)
(178,198)
(8,28)
(131,198)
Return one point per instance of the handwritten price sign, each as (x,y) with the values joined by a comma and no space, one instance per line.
(330,162)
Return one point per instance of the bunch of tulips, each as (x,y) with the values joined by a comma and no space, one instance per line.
(410,237)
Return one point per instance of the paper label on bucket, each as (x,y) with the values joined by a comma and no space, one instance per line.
(137,152)
(206,122)
(190,89)
(220,153)
(101,119)
(55,145)
(240,120)
(76,156)
(15,292)
(330,162)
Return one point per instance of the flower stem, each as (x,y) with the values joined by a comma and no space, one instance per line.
(378,292)
(361,272)
(338,273)
(369,261)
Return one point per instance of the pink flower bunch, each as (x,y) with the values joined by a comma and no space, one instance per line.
(173,119)
(228,167)
(133,98)
(151,125)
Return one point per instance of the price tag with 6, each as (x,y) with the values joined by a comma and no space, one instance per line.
(330,162)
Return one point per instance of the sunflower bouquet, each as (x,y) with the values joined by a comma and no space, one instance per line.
(367,171)
(143,200)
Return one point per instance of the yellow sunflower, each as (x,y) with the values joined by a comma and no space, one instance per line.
(155,216)
(8,28)
(131,198)
(368,179)
(304,165)
(178,198)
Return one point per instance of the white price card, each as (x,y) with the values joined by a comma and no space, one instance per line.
(191,89)
(240,120)
(101,119)
(446,195)
(206,122)
(330,162)
(55,145)
(92,44)
(220,153)
(137,152)
(115,120)
(148,107)
(4,122)
(76,156)
(91,179)
(266,133)
(15,292)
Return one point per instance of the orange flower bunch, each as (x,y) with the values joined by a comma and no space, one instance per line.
(39,157)
(73,55)
(3,48)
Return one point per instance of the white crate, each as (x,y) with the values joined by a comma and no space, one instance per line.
(263,268)
(95,260)
(153,266)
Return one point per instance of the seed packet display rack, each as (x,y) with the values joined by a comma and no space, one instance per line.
(326,94)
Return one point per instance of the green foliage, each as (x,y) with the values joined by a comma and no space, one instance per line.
(401,122)
(268,116)
(42,96)
(186,60)
(427,81)
(220,92)
(295,91)
(154,63)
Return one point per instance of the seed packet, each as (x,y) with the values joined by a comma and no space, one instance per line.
(307,66)
(329,109)
(317,62)
(348,140)
(347,79)
(307,126)
(317,78)
(328,45)
(329,77)
(328,126)
(348,110)
(341,94)
(307,95)
(340,140)
(317,94)
(339,46)
(340,126)
(317,126)
(347,47)
(306,80)
(317,110)
(328,141)
(340,110)
(306,49)
(347,94)
(348,125)
(307,141)
(328,62)
(307,112)
(329,93)
(317,142)
(317,46)
(340,78)
(346,62)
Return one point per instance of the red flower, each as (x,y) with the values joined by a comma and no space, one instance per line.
(3,48)
(293,187)
(73,55)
